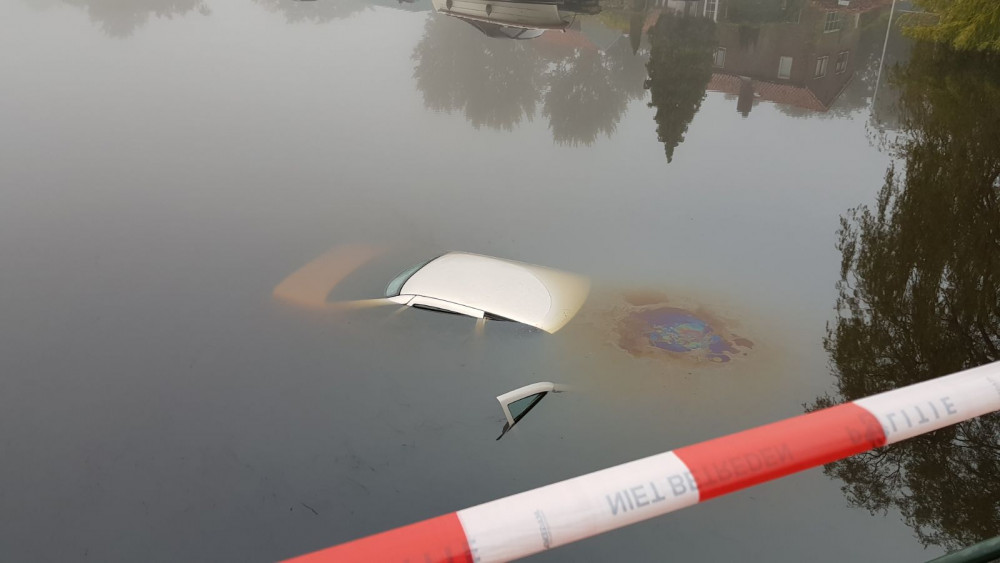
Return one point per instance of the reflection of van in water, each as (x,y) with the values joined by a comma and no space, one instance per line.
(515,20)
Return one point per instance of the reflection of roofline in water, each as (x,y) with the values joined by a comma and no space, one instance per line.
(769,91)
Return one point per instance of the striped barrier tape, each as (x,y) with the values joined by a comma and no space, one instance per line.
(564,512)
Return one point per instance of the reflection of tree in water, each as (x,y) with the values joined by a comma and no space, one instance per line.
(494,82)
(920,297)
(580,105)
(680,66)
(589,92)
(318,11)
(121,18)
(498,83)
(628,69)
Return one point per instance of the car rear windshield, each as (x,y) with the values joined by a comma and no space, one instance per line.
(396,285)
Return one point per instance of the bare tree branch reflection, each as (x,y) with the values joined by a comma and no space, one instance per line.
(919,297)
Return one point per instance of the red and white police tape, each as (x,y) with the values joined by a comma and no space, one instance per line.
(564,512)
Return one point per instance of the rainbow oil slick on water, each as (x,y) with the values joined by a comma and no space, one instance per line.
(679,332)
(676,330)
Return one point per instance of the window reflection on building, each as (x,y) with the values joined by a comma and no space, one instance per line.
(919,296)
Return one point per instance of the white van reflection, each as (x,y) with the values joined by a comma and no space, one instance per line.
(515,20)
(517,403)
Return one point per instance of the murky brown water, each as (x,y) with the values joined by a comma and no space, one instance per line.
(186,373)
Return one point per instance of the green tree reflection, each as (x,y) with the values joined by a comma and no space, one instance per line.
(580,105)
(679,67)
(919,297)
(494,82)
(589,92)
(121,19)
(583,91)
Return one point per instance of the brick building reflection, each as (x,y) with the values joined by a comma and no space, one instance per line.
(801,53)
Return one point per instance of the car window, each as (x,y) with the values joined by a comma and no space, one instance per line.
(517,403)
(520,407)
(396,285)
(435,309)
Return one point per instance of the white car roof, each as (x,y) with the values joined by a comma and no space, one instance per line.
(534,295)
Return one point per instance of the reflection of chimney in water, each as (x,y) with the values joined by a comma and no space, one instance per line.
(745,102)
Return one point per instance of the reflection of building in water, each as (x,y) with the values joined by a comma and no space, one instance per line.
(795,52)
(516,20)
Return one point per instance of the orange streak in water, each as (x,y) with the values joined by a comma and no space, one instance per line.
(311,284)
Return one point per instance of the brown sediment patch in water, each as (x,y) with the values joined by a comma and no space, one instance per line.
(641,297)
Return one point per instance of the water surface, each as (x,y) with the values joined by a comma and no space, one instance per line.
(165,164)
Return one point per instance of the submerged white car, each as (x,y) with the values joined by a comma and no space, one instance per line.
(492,288)
(457,282)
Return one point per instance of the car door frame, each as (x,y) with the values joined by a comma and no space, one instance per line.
(541,388)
